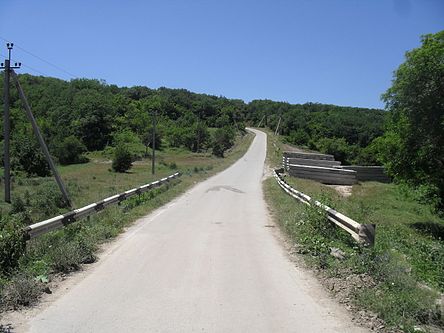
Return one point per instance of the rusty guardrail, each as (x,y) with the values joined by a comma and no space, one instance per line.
(362,233)
(40,228)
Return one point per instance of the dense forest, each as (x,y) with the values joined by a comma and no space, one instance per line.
(346,132)
(89,115)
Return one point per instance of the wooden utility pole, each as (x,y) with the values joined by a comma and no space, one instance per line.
(6,122)
(259,125)
(277,127)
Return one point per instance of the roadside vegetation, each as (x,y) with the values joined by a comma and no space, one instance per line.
(400,279)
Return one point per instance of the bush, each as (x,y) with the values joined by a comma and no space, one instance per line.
(122,161)
(12,244)
(48,199)
(223,139)
(27,156)
(70,151)
(22,290)
(131,142)
(337,147)
(298,137)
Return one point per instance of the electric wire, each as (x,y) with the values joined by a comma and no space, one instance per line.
(41,59)
(26,66)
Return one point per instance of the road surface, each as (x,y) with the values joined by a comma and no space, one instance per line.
(204,263)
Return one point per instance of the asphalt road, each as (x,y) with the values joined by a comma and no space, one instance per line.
(207,262)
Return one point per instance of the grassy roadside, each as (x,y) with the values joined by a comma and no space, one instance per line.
(65,250)
(399,279)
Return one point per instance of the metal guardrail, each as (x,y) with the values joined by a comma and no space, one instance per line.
(40,228)
(362,233)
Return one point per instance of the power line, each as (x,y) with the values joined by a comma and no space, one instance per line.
(29,67)
(41,59)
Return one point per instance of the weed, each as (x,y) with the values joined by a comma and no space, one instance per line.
(21,290)
(12,243)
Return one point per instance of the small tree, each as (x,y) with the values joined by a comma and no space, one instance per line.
(70,151)
(27,156)
(122,161)
(223,139)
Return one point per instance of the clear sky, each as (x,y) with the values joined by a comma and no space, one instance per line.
(329,51)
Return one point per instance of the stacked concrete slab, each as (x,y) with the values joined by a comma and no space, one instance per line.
(368,173)
(319,167)
(311,156)
(306,161)
(334,176)
(324,168)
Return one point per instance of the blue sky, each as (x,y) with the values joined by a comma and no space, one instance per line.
(329,51)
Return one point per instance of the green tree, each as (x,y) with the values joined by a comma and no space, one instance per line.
(223,139)
(147,139)
(122,160)
(70,151)
(27,156)
(337,147)
(414,142)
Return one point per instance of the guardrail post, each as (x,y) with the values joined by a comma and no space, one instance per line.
(367,234)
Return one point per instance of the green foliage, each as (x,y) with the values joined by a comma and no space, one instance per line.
(223,139)
(48,200)
(393,274)
(26,156)
(337,147)
(21,290)
(399,298)
(122,160)
(147,138)
(132,142)
(12,243)
(70,151)
(298,137)
(414,142)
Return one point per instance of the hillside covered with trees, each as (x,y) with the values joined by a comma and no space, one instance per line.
(90,115)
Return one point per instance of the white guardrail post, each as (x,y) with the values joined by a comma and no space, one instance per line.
(40,228)
(362,233)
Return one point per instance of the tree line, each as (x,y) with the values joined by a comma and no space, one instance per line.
(90,115)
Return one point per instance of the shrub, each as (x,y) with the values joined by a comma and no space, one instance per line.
(122,161)
(12,243)
(298,137)
(48,199)
(74,247)
(70,151)
(223,139)
(131,142)
(22,290)
(18,206)
(337,147)
(27,156)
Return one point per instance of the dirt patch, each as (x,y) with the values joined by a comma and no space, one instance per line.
(287,147)
(343,190)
